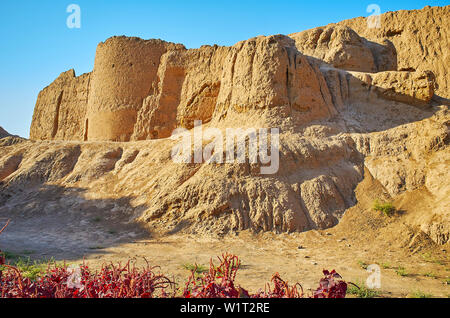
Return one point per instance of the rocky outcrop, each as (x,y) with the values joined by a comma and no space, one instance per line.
(145,89)
(124,73)
(420,37)
(412,88)
(341,47)
(61,108)
(209,82)
(3,133)
(268,72)
(346,100)
(188,84)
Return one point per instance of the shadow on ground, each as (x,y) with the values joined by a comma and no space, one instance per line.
(53,221)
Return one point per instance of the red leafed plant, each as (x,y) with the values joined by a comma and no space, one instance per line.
(130,282)
(110,282)
(218,282)
(331,286)
(281,289)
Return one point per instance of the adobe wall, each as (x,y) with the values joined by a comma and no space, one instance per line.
(124,73)
(144,89)
(421,38)
(187,90)
(61,109)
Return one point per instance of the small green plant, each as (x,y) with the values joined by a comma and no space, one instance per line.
(401,271)
(361,291)
(419,294)
(362,264)
(386,265)
(386,207)
(431,259)
(199,269)
(29,268)
(430,274)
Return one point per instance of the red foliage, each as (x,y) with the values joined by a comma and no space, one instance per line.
(110,282)
(219,282)
(129,282)
(332,286)
(281,289)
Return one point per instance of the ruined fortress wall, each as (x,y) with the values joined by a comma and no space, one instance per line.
(267,72)
(421,38)
(211,82)
(144,89)
(125,72)
(61,108)
(187,90)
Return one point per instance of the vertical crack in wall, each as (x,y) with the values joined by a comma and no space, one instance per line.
(86,130)
(56,118)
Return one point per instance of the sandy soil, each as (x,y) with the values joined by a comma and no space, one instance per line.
(362,237)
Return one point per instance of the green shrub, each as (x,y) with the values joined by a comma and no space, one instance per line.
(386,207)
(362,264)
(29,268)
(419,294)
(199,269)
(386,265)
(361,291)
(430,274)
(401,271)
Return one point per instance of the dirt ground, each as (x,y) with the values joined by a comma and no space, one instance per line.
(363,237)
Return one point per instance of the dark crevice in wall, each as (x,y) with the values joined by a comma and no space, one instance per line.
(86,127)
(391,33)
(56,118)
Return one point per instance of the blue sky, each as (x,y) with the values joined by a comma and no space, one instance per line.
(37,45)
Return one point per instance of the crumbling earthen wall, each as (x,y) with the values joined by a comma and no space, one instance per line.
(145,89)
(188,84)
(124,73)
(421,39)
(61,108)
(343,48)
(3,133)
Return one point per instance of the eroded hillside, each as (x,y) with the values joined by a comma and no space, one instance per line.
(351,103)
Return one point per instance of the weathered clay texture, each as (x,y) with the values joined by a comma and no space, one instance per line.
(61,109)
(420,37)
(347,99)
(3,133)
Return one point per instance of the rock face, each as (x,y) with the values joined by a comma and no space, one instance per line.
(188,85)
(346,99)
(61,109)
(412,88)
(3,133)
(125,71)
(420,37)
(145,89)
(343,48)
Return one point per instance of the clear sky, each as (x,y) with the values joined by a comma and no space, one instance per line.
(36,44)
